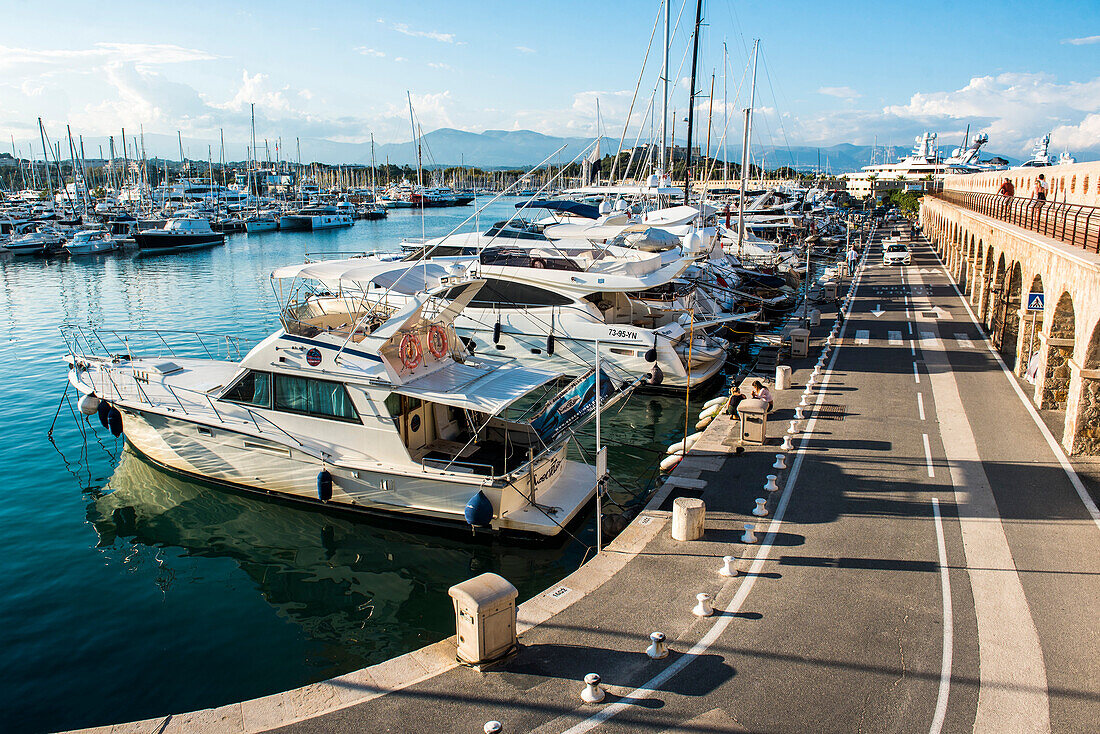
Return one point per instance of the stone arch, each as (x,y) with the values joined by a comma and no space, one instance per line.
(1060,341)
(987,282)
(1031,327)
(996,269)
(964,268)
(1086,428)
(976,286)
(1010,315)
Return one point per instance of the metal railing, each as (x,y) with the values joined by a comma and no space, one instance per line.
(1074,224)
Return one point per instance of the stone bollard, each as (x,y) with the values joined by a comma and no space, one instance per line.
(689,518)
(760,510)
(702,606)
(788,443)
(749,536)
(782,377)
(798,413)
(792,428)
(815,317)
(657,648)
(780,462)
(592,692)
(728,567)
(772,484)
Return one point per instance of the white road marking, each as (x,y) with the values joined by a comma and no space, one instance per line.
(916,375)
(894,337)
(928,456)
(863,336)
(948,625)
(964,341)
(928,340)
(878,310)
(913,347)
(910,328)
(920,405)
(1055,447)
(1012,683)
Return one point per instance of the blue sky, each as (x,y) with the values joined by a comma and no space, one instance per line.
(830,72)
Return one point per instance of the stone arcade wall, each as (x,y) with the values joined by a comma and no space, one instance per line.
(1068,344)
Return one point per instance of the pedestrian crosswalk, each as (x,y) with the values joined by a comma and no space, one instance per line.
(923,339)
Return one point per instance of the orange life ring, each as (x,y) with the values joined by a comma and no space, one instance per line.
(410,351)
(437,341)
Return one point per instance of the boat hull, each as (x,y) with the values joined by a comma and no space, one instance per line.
(156,241)
(258,465)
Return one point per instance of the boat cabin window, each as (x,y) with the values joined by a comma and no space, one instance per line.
(509,294)
(316,398)
(252,389)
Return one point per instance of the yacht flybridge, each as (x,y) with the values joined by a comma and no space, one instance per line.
(357,405)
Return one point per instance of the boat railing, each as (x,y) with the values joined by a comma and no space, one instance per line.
(152,343)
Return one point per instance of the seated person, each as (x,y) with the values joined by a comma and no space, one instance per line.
(760,392)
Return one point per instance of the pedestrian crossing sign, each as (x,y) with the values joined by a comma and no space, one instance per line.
(1034,301)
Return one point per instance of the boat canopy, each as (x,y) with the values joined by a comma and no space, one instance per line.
(576,208)
(486,388)
(407,278)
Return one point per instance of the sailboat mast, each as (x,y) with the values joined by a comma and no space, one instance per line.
(664,111)
(745,154)
(416,141)
(46,158)
(691,97)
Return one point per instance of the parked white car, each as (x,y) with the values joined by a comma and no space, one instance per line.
(896,254)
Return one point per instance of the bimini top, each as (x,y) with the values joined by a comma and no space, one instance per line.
(575,208)
(403,277)
(483,387)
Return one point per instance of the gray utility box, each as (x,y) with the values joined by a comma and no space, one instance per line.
(754,420)
(828,290)
(485,618)
(800,343)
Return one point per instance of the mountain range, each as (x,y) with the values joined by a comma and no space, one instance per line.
(496,149)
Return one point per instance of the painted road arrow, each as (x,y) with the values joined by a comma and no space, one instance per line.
(878,310)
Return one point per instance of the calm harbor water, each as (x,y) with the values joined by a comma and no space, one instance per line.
(126,592)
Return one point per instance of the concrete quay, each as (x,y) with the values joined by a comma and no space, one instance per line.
(929,563)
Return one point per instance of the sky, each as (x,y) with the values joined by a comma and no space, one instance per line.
(850,72)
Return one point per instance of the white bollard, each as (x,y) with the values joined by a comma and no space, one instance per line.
(782,377)
(749,536)
(788,443)
(760,510)
(793,428)
(592,692)
(798,413)
(780,462)
(804,401)
(727,566)
(689,518)
(657,648)
(773,483)
(492,727)
(702,606)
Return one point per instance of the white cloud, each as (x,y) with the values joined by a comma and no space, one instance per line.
(399,59)
(525,49)
(440,65)
(369,52)
(147,54)
(840,92)
(1083,41)
(434,35)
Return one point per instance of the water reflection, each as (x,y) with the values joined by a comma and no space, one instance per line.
(343,581)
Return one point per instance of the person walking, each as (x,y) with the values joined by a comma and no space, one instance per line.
(1007,189)
(851,257)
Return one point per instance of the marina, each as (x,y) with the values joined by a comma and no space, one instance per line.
(355,382)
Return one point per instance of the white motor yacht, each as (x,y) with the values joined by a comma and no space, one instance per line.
(356,406)
(34,238)
(91,242)
(315,217)
(550,306)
